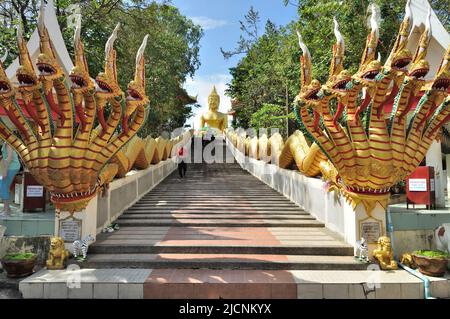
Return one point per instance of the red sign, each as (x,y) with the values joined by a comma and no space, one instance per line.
(420,187)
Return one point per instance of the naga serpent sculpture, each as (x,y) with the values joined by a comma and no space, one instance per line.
(359,151)
(71,164)
(368,153)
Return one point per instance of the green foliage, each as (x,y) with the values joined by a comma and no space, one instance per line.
(432,254)
(172,52)
(270,116)
(19,256)
(267,74)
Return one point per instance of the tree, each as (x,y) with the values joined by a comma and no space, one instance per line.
(268,73)
(270,116)
(249,27)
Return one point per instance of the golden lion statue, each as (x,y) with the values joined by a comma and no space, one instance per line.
(57,254)
(384,254)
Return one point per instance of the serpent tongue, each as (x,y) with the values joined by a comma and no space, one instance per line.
(81,116)
(125,124)
(34,115)
(316,119)
(362,107)
(101,119)
(16,122)
(338,113)
(389,99)
(55,108)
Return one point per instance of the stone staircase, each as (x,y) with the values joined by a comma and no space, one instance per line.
(220,233)
(219,217)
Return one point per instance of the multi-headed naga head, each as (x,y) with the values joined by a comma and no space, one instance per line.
(339,77)
(47,64)
(419,66)
(400,57)
(369,67)
(6,89)
(370,156)
(442,80)
(79,75)
(26,76)
(309,87)
(71,165)
(136,88)
(107,86)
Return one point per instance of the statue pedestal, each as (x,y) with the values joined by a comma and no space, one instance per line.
(77,226)
(359,224)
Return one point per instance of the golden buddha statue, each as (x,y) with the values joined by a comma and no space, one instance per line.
(213,118)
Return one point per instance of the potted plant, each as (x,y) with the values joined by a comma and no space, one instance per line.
(19,264)
(431,262)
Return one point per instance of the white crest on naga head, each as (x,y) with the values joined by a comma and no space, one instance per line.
(19,32)
(110,43)
(141,50)
(428,23)
(337,34)
(374,18)
(302,45)
(77,36)
(3,58)
(41,24)
(408,14)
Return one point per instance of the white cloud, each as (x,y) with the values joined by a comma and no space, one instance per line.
(202,85)
(208,23)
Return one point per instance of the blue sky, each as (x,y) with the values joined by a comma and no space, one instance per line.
(220,21)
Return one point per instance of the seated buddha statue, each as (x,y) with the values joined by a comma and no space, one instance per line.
(213,118)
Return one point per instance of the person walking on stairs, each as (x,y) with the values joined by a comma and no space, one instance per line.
(182,166)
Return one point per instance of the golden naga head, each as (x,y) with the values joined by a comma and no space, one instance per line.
(136,96)
(339,77)
(441,82)
(79,75)
(400,57)
(369,67)
(419,66)
(214,99)
(71,164)
(26,76)
(107,86)
(47,64)
(309,88)
(6,89)
(136,88)
(371,155)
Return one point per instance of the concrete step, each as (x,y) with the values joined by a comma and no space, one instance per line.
(222,261)
(213,212)
(222,223)
(186,247)
(208,202)
(213,208)
(211,216)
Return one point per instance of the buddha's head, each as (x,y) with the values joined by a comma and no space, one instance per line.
(213,100)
